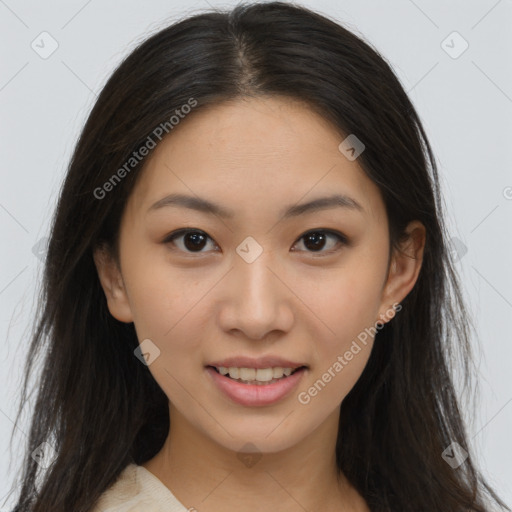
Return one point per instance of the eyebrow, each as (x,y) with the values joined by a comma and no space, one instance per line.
(205,206)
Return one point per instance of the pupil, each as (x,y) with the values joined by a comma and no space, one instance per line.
(197,240)
(317,239)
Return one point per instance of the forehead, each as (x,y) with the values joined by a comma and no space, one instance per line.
(253,151)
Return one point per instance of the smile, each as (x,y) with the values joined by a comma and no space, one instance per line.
(255,387)
(261,376)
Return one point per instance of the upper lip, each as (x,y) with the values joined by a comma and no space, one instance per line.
(260,362)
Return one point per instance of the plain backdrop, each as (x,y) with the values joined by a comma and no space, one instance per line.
(453,58)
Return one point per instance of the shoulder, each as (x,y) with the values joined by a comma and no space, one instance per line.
(135,488)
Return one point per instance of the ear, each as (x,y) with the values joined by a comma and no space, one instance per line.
(112,283)
(404,269)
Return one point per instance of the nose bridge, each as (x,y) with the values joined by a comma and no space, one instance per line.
(256,297)
(252,268)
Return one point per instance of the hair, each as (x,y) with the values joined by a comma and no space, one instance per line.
(101,409)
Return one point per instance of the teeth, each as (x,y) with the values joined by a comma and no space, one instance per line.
(245,373)
(264,374)
(277,372)
(253,374)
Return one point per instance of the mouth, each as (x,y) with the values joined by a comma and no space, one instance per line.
(256,387)
(256,376)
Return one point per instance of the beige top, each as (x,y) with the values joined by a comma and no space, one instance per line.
(135,490)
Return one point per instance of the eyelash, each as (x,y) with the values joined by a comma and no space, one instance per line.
(342,239)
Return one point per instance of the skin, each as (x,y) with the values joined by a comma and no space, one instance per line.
(255,156)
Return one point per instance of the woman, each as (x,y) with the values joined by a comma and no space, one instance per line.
(248,299)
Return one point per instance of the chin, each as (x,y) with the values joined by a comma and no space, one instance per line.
(259,441)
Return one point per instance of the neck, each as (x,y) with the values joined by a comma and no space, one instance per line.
(208,477)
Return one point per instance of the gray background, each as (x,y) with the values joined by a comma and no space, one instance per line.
(464,100)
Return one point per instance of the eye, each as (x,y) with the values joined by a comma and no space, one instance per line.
(315,241)
(193,240)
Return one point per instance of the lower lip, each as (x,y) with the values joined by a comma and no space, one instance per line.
(252,394)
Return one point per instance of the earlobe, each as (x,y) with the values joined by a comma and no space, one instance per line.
(112,283)
(404,269)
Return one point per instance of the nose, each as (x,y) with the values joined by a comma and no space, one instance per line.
(256,298)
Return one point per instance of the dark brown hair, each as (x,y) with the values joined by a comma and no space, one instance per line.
(100,409)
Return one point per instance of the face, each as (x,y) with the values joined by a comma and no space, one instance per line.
(261,282)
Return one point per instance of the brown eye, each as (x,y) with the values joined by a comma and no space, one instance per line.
(193,240)
(317,241)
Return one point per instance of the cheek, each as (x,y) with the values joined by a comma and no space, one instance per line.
(347,302)
(164,299)
(343,301)
(341,354)
(169,308)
